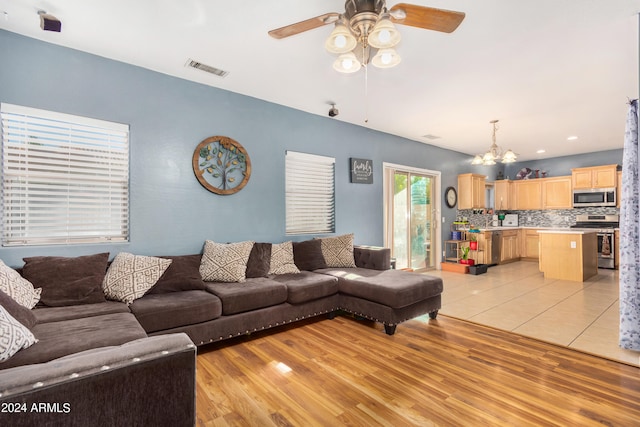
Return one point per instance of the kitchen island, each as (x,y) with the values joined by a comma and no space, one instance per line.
(568,254)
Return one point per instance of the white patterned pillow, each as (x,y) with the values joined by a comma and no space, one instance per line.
(130,276)
(225,262)
(338,251)
(14,336)
(282,259)
(17,287)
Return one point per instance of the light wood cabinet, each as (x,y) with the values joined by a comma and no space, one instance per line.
(471,191)
(502,195)
(510,250)
(556,193)
(527,194)
(594,177)
(619,189)
(529,244)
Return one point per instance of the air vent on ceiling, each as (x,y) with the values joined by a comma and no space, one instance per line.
(207,68)
(429,136)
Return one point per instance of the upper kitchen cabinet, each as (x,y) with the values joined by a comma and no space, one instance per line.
(527,194)
(594,177)
(502,195)
(556,193)
(471,191)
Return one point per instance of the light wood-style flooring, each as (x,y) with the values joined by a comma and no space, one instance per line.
(444,372)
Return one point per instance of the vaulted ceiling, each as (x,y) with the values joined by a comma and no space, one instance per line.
(546,69)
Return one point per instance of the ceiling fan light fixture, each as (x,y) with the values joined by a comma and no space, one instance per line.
(384,33)
(341,40)
(386,58)
(347,63)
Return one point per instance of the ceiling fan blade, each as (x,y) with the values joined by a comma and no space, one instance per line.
(300,27)
(428,18)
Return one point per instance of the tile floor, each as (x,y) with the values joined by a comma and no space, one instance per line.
(516,297)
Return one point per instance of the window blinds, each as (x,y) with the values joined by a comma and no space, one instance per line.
(65,179)
(310,196)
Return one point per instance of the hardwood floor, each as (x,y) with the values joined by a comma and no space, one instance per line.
(439,372)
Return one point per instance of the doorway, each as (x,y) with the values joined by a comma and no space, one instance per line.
(412,215)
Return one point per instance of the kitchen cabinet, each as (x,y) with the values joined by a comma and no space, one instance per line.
(529,241)
(527,194)
(594,177)
(502,195)
(510,250)
(568,255)
(471,191)
(556,193)
(619,189)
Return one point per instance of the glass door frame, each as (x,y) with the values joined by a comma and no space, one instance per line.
(389,170)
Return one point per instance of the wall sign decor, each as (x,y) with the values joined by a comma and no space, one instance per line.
(221,165)
(361,171)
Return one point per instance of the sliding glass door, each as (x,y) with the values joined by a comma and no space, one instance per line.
(411,219)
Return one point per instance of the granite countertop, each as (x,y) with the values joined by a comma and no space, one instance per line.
(568,231)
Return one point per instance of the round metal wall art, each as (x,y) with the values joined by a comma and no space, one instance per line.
(221,165)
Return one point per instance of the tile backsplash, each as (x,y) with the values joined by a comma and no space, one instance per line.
(539,218)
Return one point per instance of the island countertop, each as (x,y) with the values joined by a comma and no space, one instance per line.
(568,231)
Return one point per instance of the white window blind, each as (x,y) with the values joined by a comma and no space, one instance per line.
(65,179)
(310,196)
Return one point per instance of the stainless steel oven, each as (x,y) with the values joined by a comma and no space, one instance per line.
(605,226)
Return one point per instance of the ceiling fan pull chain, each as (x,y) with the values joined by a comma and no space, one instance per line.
(366,89)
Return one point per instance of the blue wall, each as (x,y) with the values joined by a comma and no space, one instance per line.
(561,166)
(171,213)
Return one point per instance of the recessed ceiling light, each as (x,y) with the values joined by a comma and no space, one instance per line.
(572,138)
(542,150)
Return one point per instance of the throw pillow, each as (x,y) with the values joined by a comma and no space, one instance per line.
(18,312)
(338,251)
(15,336)
(282,259)
(130,276)
(18,288)
(308,255)
(182,275)
(67,281)
(259,260)
(225,262)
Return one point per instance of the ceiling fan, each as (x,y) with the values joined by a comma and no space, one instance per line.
(368,24)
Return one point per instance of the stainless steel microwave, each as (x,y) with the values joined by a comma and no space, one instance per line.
(594,197)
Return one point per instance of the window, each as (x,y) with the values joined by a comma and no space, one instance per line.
(310,198)
(65,179)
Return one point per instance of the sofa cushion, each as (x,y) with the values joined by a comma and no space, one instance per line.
(259,260)
(225,262)
(307,286)
(130,276)
(182,275)
(307,255)
(21,313)
(282,259)
(18,288)
(393,288)
(157,312)
(67,280)
(15,336)
(253,294)
(57,339)
(338,251)
(45,314)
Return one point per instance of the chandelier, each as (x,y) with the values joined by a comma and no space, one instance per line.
(489,158)
(364,35)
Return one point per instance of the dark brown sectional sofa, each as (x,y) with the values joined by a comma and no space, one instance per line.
(160,329)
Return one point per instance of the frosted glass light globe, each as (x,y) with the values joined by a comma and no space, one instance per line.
(384,36)
(340,41)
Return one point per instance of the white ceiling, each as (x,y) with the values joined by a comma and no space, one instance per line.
(547,69)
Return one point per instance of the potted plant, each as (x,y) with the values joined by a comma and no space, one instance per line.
(465,256)
(473,244)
